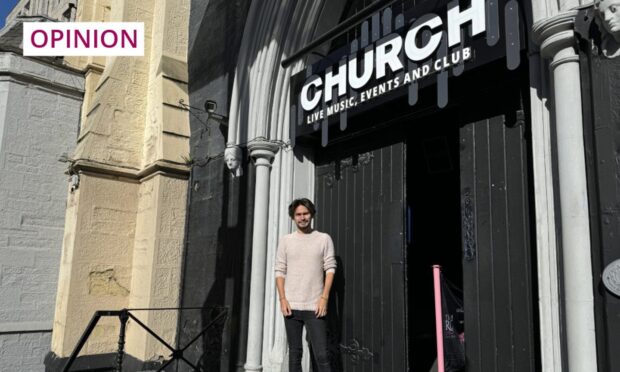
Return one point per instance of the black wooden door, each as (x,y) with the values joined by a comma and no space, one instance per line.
(497,280)
(360,203)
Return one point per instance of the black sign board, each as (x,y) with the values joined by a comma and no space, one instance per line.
(397,52)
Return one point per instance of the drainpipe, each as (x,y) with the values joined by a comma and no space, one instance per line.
(556,38)
(262,152)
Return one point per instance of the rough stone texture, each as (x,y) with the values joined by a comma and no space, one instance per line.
(124,235)
(39,115)
(167,130)
(113,132)
(95,271)
(90,11)
(160,221)
(104,283)
(117,129)
(158,253)
(24,352)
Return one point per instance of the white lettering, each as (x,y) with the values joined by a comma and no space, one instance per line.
(456,57)
(338,79)
(309,104)
(314,117)
(475,13)
(356,81)
(437,65)
(466,53)
(417,73)
(389,57)
(414,52)
(445,62)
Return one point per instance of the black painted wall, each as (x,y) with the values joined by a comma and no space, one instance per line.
(218,235)
(601,103)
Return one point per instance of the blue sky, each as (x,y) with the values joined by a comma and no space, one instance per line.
(5,8)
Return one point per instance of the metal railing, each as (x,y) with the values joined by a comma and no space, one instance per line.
(124,315)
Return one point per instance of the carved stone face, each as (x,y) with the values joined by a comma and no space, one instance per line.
(232,157)
(609,12)
(232,162)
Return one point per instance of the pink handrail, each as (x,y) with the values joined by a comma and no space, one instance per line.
(438,318)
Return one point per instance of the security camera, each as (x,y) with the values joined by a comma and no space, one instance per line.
(210,106)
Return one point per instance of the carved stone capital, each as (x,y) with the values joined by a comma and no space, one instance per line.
(262,151)
(555,34)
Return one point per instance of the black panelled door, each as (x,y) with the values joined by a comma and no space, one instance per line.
(497,272)
(360,199)
(360,203)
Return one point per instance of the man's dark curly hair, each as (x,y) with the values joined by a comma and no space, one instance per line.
(302,201)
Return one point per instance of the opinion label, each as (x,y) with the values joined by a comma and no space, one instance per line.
(83,39)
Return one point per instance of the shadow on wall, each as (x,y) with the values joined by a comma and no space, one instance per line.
(217,235)
(216,273)
(224,347)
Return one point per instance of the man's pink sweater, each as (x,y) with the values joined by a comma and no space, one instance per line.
(301,259)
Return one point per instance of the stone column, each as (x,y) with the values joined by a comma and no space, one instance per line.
(262,152)
(550,323)
(557,43)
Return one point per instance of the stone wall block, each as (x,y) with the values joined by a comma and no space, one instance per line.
(169,251)
(37,221)
(97,254)
(23,195)
(14,257)
(23,352)
(175,147)
(12,182)
(174,90)
(175,120)
(9,221)
(112,221)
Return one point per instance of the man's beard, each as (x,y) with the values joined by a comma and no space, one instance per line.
(303,225)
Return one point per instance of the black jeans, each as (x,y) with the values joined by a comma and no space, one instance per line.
(317,332)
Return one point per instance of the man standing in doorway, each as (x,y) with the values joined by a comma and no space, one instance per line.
(305,267)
